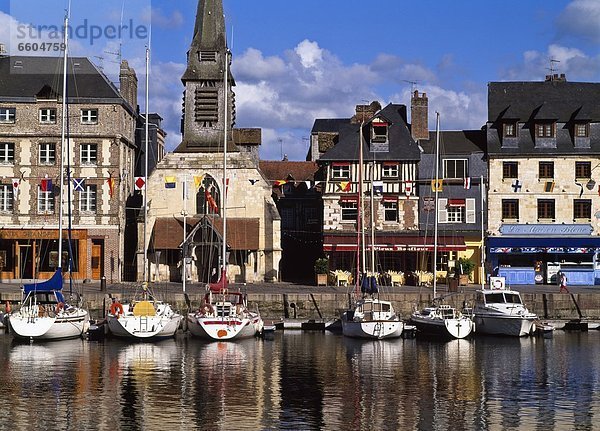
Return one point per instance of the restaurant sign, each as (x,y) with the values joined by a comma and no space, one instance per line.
(546,229)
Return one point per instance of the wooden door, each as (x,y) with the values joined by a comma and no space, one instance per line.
(96,261)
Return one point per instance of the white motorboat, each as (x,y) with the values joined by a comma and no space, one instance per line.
(372,318)
(500,311)
(224,315)
(442,320)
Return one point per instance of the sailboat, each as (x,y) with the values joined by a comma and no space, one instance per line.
(224,314)
(147,318)
(440,320)
(369,316)
(45,314)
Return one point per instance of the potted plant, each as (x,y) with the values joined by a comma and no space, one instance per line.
(464,268)
(321,270)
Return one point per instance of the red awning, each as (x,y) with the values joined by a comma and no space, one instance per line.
(340,164)
(394,243)
(349,199)
(390,163)
(456,202)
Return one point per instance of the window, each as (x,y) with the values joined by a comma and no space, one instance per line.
(7,115)
(379,132)
(7,153)
(390,171)
(89,154)
(510,209)
(47,115)
(390,210)
(544,130)
(545,209)
(89,116)
(581,130)
(583,169)
(455,168)
(510,170)
(6,198)
(546,170)
(208,197)
(349,211)
(47,154)
(207,55)
(87,199)
(582,208)
(45,201)
(340,172)
(510,129)
(455,214)
(456,210)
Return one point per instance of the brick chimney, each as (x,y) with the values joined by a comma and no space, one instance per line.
(365,112)
(556,77)
(419,112)
(128,84)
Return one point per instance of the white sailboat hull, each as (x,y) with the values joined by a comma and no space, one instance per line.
(224,328)
(163,324)
(458,327)
(29,326)
(374,329)
(498,324)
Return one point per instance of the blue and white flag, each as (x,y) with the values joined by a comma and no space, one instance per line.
(378,187)
(79,184)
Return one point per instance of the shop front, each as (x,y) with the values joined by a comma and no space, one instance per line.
(529,255)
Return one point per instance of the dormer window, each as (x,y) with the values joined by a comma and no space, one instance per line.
(207,56)
(545,129)
(510,129)
(379,131)
(581,130)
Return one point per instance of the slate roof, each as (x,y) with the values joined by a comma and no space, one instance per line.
(456,142)
(22,78)
(282,170)
(558,99)
(401,144)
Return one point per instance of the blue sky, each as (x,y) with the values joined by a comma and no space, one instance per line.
(295,61)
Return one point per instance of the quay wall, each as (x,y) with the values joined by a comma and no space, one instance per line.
(273,306)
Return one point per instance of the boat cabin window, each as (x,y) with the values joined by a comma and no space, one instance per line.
(223,310)
(45,298)
(512,298)
(494,297)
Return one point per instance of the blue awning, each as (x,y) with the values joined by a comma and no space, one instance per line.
(587,244)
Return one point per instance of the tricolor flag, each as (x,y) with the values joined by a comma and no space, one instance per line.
(408,188)
(437,185)
(46,185)
(111,186)
(378,187)
(198,181)
(344,186)
(211,201)
(79,184)
(140,183)
(15,183)
(279,183)
(467,183)
(170,183)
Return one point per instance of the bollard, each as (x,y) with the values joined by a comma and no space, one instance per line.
(103,284)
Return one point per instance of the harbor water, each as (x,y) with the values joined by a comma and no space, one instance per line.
(303,381)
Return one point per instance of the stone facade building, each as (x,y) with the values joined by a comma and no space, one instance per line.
(101,154)
(253,225)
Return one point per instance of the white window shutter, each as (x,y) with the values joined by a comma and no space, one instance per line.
(442,211)
(470,210)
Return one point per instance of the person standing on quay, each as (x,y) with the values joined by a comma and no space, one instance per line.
(563,283)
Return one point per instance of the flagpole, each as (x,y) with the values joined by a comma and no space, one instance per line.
(183,246)
(482,185)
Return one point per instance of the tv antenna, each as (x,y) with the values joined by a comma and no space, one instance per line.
(552,69)
(413,84)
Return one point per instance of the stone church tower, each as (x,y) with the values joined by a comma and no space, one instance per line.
(253,222)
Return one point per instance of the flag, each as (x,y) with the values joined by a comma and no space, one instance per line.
(198,181)
(279,183)
(79,184)
(549,186)
(185,190)
(344,186)
(516,185)
(581,189)
(111,186)
(307,183)
(253,181)
(408,188)
(437,185)
(467,183)
(170,183)
(15,183)
(140,183)
(46,185)
(378,187)
(211,201)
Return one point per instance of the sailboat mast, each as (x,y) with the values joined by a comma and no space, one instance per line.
(63,138)
(360,196)
(146,131)
(435,224)
(372,223)
(482,275)
(224,210)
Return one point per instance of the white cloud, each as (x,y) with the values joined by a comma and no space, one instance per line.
(581,19)
(309,53)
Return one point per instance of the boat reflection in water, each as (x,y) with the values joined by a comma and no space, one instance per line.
(303,380)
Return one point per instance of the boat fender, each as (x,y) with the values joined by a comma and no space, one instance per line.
(7,307)
(59,307)
(116,309)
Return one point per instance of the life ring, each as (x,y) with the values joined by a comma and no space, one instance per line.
(59,307)
(116,309)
